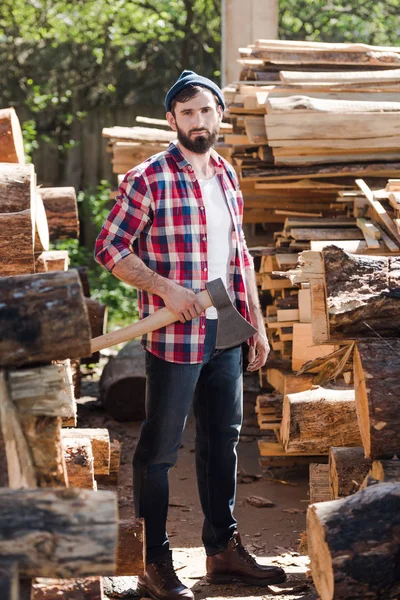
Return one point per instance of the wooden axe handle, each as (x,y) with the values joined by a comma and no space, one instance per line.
(160,318)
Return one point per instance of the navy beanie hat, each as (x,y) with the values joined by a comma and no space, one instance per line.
(191,78)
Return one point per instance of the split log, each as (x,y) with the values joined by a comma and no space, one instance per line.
(42,238)
(131,548)
(347,470)
(100,443)
(69,413)
(76,376)
(43,318)
(79,461)
(319,483)
(115,460)
(90,588)
(386,470)
(123,384)
(62,212)
(11,140)
(60,533)
(53,260)
(315,420)
(43,436)
(16,243)
(377,390)
(354,545)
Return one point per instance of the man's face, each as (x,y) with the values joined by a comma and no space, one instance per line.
(197,122)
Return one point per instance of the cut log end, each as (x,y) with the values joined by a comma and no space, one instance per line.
(321,560)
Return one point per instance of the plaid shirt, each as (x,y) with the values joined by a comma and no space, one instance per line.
(159,215)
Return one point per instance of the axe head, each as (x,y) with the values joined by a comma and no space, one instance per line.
(232,328)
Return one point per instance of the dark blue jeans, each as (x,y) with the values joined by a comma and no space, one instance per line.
(215,388)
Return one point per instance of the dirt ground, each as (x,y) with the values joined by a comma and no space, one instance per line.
(271,534)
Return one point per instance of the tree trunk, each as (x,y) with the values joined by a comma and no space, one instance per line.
(123,384)
(79,462)
(16,243)
(386,470)
(60,533)
(314,420)
(100,442)
(48,322)
(62,212)
(131,548)
(347,470)
(90,588)
(11,140)
(377,388)
(354,545)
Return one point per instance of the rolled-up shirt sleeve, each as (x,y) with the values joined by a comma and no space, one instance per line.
(130,214)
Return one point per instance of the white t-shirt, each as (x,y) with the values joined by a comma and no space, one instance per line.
(219,234)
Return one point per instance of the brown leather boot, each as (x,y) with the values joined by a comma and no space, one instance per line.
(236,564)
(160,582)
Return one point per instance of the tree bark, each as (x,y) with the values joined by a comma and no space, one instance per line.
(60,533)
(11,140)
(317,419)
(347,470)
(48,322)
(354,545)
(377,389)
(97,312)
(62,212)
(9,580)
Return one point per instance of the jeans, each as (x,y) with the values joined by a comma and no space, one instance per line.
(215,389)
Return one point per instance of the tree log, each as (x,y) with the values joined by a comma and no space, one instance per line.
(42,238)
(43,318)
(16,243)
(97,312)
(9,579)
(84,277)
(62,212)
(69,411)
(53,260)
(123,384)
(131,547)
(90,588)
(314,420)
(100,442)
(62,533)
(79,461)
(17,188)
(115,460)
(43,435)
(386,470)
(319,482)
(357,288)
(347,470)
(377,390)
(11,140)
(354,545)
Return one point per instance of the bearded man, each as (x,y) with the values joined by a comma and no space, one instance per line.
(177,224)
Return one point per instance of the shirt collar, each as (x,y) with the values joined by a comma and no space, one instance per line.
(184,164)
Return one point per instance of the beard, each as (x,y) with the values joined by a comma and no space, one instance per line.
(199,144)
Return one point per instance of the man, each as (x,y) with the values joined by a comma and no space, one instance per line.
(176,224)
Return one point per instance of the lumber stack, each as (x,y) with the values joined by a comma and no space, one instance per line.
(307,119)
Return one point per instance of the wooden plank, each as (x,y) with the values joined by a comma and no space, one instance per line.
(302,104)
(305,305)
(370,231)
(276,449)
(379,210)
(303,233)
(289,314)
(304,348)
(354,77)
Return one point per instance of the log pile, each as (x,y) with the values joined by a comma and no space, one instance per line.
(46,322)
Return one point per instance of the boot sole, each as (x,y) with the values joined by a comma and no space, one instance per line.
(243,579)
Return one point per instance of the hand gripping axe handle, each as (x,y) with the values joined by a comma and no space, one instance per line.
(232,328)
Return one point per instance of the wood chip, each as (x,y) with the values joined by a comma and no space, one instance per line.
(259,502)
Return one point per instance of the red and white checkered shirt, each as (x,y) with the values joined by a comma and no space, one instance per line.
(159,215)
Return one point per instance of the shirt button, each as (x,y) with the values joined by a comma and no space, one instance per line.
(205,269)
(201,207)
(204,238)
(203,326)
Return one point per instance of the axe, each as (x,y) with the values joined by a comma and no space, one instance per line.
(232,328)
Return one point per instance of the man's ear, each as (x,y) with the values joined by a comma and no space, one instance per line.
(220,112)
(171,120)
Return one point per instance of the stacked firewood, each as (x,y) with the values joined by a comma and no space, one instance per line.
(354,306)
(309,117)
(48,473)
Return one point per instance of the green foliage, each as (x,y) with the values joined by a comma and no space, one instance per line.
(120,298)
(364,21)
